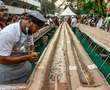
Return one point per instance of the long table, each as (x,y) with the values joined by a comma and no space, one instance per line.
(42,31)
(99,36)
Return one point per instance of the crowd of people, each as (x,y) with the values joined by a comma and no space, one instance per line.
(6,19)
(96,21)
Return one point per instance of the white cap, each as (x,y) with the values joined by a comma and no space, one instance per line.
(37,15)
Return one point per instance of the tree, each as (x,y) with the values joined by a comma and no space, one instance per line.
(94,6)
(47,7)
(101,5)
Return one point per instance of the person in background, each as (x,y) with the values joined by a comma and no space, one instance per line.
(74,22)
(69,21)
(15,18)
(56,21)
(9,19)
(107,23)
(3,9)
(100,22)
(15,66)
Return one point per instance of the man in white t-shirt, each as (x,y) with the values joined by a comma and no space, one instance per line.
(3,10)
(74,22)
(16,68)
(100,23)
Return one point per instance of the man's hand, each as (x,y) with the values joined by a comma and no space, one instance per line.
(33,56)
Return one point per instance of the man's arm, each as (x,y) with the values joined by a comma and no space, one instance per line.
(17,59)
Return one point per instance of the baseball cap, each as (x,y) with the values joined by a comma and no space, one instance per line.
(37,18)
(37,15)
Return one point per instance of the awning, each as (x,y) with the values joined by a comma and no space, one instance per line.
(67,12)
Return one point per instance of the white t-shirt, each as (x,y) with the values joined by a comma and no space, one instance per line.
(100,22)
(9,36)
(74,22)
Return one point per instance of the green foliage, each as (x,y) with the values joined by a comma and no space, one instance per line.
(90,7)
(47,7)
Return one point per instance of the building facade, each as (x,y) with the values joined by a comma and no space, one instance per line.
(20,6)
